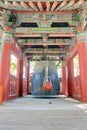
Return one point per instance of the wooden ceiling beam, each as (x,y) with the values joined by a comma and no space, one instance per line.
(27,35)
(38,44)
(44,12)
(54,6)
(40,6)
(49,55)
(47,6)
(62,35)
(50,35)
(48,52)
(33,6)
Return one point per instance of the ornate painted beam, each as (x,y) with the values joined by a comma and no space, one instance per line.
(26,35)
(39,56)
(47,6)
(62,35)
(48,52)
(44,12)
(40,6)
(38,44)
(49,55)
(38,35)
(54,6)
(33,6)
(52,59)
(46,30)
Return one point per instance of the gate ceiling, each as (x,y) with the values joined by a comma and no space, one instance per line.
(44,29)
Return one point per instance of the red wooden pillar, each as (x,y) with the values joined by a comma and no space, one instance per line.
(5,72)
(82,51)
(70,78)
(1,100)
(7,40)
(64,78)
(21,79)
(28,76)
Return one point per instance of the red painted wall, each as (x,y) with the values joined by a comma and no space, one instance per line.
(74,83)
(14,80)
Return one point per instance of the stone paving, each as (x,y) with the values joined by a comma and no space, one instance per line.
(29,113)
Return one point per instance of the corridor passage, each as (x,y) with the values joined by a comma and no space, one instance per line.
(29,113)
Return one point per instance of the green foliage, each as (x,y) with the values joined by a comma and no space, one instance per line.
(13,65)
(32,65)
(13,68)
(59,67)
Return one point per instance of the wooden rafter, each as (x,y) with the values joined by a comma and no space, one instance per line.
(61,5)
(33,6)
(16,4)
(1,3)
(24,5)
(58,5)
(54,6)
(69,4)
(78,4)
(40,6)
(47,6)
(7,3)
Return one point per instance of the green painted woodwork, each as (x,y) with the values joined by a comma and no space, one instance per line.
(45,20)
(82,36)
(49,41)
(7,37)
(44,30)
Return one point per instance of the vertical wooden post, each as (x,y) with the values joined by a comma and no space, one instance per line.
(7,40)
(70,78)
(82,51)
(21,79)
(1,100)
(28,76)
(64,78)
